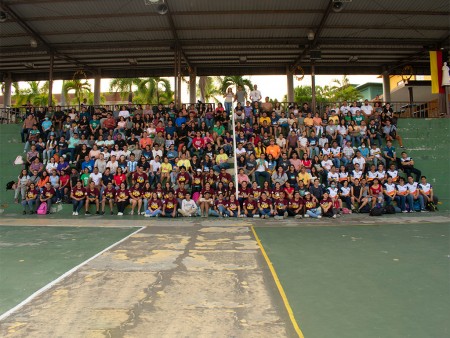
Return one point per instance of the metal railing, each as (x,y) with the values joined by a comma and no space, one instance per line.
(16,114)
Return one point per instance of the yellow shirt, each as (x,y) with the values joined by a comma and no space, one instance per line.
(186,163)
(221,158)
(308,121)
(267,119)
(306,177)
(166,167)
(334,118)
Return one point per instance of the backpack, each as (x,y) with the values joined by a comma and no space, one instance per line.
(10,185)
(18,160)
(389,209)
(42,210)
(376,211)
(431,206)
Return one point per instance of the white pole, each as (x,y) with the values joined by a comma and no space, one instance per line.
(234,154)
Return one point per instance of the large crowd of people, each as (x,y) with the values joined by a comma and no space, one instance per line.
(292,161)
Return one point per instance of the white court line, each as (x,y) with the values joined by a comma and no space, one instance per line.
(60,278)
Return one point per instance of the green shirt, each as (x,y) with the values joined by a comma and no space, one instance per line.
(219,130)
(358,119)
(94,123)
(85,179)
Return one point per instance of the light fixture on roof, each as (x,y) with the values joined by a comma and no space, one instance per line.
(242,59)
(338,5)
(352,58)
(3,16)
(33,43)
(132,61)
(311,35)
(161,6)
(29,65)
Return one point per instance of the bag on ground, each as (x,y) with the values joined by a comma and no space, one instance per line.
(42,210)
(376,211)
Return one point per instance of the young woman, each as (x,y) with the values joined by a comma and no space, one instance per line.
(122,197)
(311,209)
(78,196)
(30,199)
(155,206)
(22,185)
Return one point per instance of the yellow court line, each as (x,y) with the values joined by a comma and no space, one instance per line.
(279,286)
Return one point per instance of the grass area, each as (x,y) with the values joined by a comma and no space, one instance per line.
(366,281)
(31,257)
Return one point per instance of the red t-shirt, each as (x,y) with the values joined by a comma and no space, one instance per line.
(198,143)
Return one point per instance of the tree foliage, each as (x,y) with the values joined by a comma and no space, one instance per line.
(234,80)
(81,89)
(37,93)
(124,86)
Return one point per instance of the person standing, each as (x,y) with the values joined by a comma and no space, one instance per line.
(255,95)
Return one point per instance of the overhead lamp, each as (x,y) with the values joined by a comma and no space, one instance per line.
(352,58)
(162,8)
(242,59)
(311,35)
(132,61)
(151,2)
(33,43)
(3,16)
(29,65)
(337,6)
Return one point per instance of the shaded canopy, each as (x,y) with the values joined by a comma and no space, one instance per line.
(128,38)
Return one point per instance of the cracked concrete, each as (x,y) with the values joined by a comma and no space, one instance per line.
(165,281)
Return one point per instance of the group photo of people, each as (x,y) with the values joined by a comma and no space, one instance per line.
(281,160)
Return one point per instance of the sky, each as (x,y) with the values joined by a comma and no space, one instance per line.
(274,86)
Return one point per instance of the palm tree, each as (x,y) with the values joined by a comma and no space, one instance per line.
(154,90)
(124,86)
(82,89)
(207,89)
(37,94)
(345,91)
(235,80)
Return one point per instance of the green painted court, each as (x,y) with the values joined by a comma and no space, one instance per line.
(31,257)
(365,281)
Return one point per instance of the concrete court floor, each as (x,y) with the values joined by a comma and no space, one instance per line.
(188,278)
(182,279)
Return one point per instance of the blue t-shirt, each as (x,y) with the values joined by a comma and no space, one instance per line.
(179,121)
(389,151)
(89,164)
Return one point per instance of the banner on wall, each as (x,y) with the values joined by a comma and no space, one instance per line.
(436,72)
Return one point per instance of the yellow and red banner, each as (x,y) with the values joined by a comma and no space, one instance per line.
(436,72)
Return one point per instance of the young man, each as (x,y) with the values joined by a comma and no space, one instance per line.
(92,196)
(407,165)
(426,190)
(170,206)
(413,188)
(188,206)
(109,194)
(250,207)
(281,205)
(265,206)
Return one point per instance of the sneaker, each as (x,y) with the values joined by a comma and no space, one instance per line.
(285,215)
(298,216)
(423,210)
(76,213)
(143,213)
(24,212)
(256,216)
(319,216)
(73,213)
(334,216)
(120,214)
(226,215)
(132,212)
(306,216)
(278,217)
(102,213)
(87,213)
(111,213)
(404,211)
(97,212)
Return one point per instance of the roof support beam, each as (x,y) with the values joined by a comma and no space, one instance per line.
(36,35)
(175,36)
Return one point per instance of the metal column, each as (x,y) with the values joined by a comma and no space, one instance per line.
(97,88)
(290,85)
(192,87)
(386,87)
(50,81)
(313,88)
(7,94)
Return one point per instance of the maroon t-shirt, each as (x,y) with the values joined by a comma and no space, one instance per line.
(250,206)
(109,193)
(183,177)
(170,204)
(140,178)
(79,193)
(155,205)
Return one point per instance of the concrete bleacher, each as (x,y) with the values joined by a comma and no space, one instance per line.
(426,140)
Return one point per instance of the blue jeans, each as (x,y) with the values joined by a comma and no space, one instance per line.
(30,203)
(336,162)
(156,213)
(401,201)
(264,174)
(264,212)
(77,205)
(228,106)
(220,166)
(313,213)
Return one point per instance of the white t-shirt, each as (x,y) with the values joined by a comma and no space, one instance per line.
(361,161)
(345,109)
(402,189)
(367,110)
(261,166)
(425,187)
(357,174)
(412,187)
(155,165)
(188,205)
(345,191)
(255,95)
(124,113)
(326,164)
(390,189)
(96,178)
(353,110)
